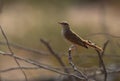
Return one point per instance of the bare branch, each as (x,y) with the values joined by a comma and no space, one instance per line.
(12,53)
(73,65)
(102,53)
(40,66)
(6,40)
(25,48)
(103,65)
(104,47)
(46,53)
(54,54)
(18,68)
(101,62)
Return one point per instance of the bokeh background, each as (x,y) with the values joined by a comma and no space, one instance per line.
(26,21)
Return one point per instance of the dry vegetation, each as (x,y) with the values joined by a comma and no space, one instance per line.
(65,67)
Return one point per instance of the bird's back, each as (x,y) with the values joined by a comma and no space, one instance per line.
(72,37)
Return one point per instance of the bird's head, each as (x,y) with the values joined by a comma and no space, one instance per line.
(64,24)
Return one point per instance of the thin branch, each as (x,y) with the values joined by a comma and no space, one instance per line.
(54,54)
(18,68)
(40,66)
(101,62)
(109,71)
(73,65)
(58,68)
(103,65)
(104,47)
(103,52)
(6,41)
(17,46)
(12,53)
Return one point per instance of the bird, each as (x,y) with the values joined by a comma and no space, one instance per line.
(74,38)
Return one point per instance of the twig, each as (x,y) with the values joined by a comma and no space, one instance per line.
(40,66)
(101,62)
(104,47)
(102,53)
(12,53)
(17,46)
(58,68)
(103,65)
(37,68)
(54,54)
(46,53)
(73,65)
(18,68)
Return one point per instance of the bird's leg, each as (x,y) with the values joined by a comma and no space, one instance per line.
(72,47)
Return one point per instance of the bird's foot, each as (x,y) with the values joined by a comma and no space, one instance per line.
(72,47)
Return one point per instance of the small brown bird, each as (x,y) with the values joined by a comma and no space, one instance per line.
(75,39)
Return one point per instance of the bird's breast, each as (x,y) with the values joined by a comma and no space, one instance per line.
(67,34)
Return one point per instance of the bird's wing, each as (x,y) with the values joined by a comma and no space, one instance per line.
(74,38)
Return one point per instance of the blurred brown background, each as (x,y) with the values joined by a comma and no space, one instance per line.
(26,21)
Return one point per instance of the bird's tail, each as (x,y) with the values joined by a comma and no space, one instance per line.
(93,45)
